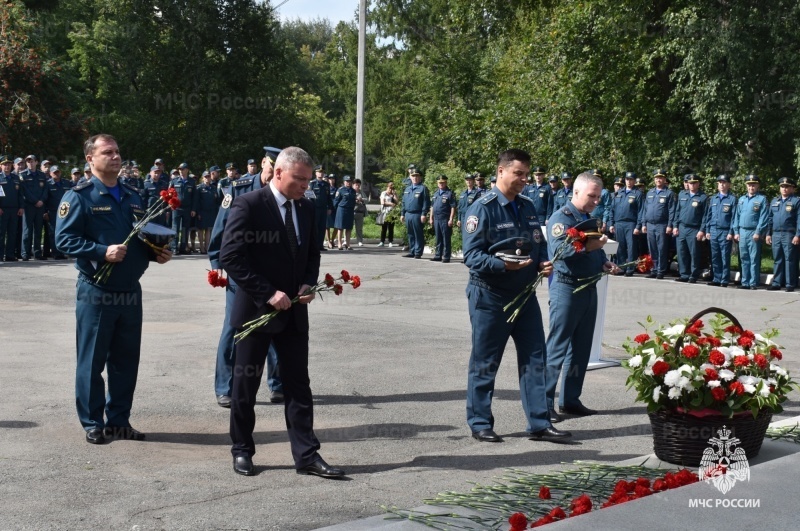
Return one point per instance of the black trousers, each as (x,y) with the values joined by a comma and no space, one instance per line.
(251,352)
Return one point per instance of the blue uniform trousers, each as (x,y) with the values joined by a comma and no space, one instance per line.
(226,352)
(749,258)
(109,335)
(721,255)
(292,348)
(569,344)
(181,220)
(490,333)
(416,235)
(444,238)
(628,250)
(32,231)
(321,218)
(658,242)
(8,233)
(785,255)
(688,253)
(51,234)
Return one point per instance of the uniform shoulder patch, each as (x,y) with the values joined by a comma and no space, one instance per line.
(63,209)
(131,188)
(557,230)
(227,200)
(525,198)
(471,224)
(488,197)
(83,185)
(238,183)
(568,212)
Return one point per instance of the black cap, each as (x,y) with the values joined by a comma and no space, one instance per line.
(566,175)
(442,179)
(752,179)
(630,175)
(493,179)
(552,179)
(230,166)
(347,178)
(786,180)
(183,166)
(412,166)
(251,161)
(214,168)
(156,235)
(4,159)
(591,227)
(469,176)
(319,167)
(659,172)
(690,178)
(596,173)
(538,169)
(722,178)
(512,249)
(619,180)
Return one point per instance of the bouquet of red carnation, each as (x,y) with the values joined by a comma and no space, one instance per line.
(643,264)
(575,239)
(168,200)
(217,280)
(336,285)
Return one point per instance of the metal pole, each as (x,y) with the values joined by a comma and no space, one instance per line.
(362,53)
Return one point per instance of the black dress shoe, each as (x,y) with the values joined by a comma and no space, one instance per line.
(579,410)
(436,259)
(409,255)
(224,401)
(789,290)
(651,275)
(773,287)
(554,417)
(445,260)
(712,283)
(123,433)
(276,397)
(486,435)
(629,274)
(660,277)
(418,257)
(322,469)
(550,433)
(692,281)
(742,286)
(243,465)
(95,436)
(723,285)
(681,280)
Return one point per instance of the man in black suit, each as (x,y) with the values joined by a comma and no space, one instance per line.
(270,250)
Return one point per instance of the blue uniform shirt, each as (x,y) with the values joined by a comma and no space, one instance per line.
(345,198)
(492,219)
(151,192)
(603,209)
(752,213)
(444,201)
(542,198)
(90,220)
(55,191)
(574,264)
(721,211)
(11,188)
(465,201)
(187,193)
(416,200)
(233,189)
(34,187)
(322,194)
(784,215)
(626,206)
(562,197)
(659,206)
(690,211)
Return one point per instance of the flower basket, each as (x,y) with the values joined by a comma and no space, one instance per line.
(695,383)
(681,438)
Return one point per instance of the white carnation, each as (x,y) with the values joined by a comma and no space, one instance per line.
(726,375)
(635,361)
(684,383)
(675,392)
(685,368)
(672,377)
(674,331)
(750,389)
(714,383)
(762,339)
(736,351)
(656,394)
(764,391)
(777,369)
(748,380)
(649,351)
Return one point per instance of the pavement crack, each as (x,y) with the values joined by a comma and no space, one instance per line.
(205,500)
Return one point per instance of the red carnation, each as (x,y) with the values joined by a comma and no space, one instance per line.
(736,387)
(164,195)
(645,264)
(337,289)
(761,361)
(643,482)
(544,493)
(329,280)
(641,338)
(580,505)
(711,374)
(578,245)
(345,275)
(714,341)
(659,485)
(718,393)
(356,281)
(741,361)
(622,487)
(660,368)
(733,329)
(665,346)
(745,342)
(557,513)
(698,324)
(749,334)
(642,491)
(690,351)
(174,203)
(518,521)
(717,358)
(544,520)
(701,341)
(573,233)
(686,477)
(775,353)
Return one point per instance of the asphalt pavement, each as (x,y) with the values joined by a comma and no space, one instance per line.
(388,370)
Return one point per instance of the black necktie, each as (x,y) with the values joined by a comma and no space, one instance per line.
(293,245)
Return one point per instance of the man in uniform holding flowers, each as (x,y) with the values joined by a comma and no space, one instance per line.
(572,314)
(93,219)
(504,221)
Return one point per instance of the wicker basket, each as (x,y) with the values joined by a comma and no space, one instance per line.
(681,438)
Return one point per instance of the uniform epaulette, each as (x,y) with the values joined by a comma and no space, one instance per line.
(129,187)
(242,181)
(525,198)
(81,186)
(567,211)
(488,197)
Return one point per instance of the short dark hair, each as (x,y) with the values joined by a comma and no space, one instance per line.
(357,181)
(510,155)
(88,146)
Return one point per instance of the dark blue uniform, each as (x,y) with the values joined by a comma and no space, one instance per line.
(181,217)
(226,349)
(625,213)
(542,198)
(322,204)
(444,201)
(561,198)
(55,192)
(10,204)
(688,220)
(109,315)
(34,189)
(416,203)
(344,201)
(752,219)
(784,229)
(465,201)
(572,315)
(206,206)
(330,218)
(151,193)
(603,209)
(719,222)
(657,218)
(492,219)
